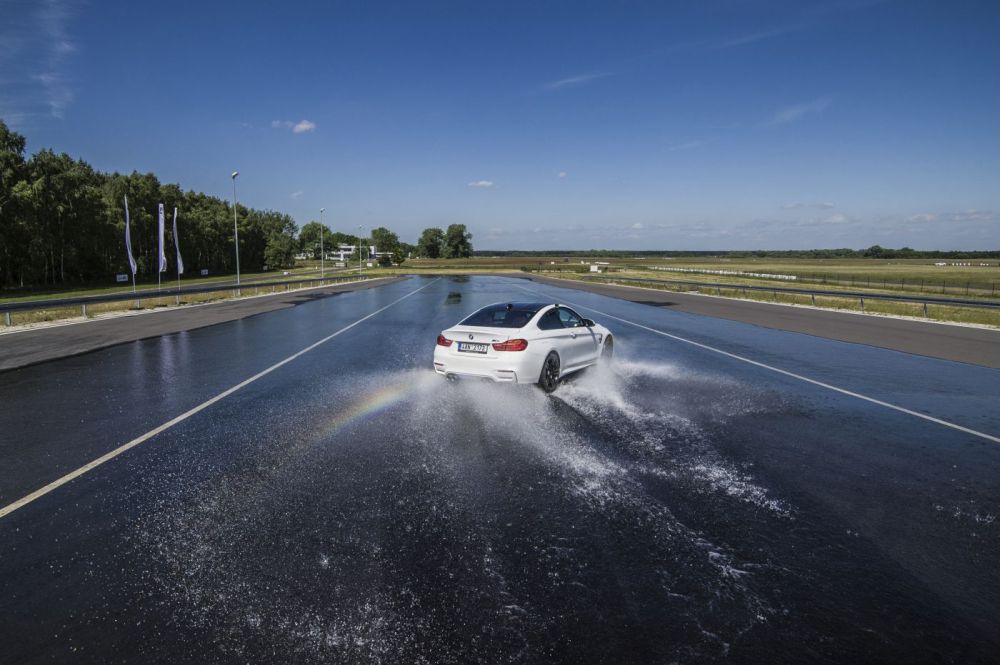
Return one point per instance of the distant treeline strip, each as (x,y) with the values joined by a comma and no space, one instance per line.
(874,252)
(62,222)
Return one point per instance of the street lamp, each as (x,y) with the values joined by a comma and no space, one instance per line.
(322,254)
(236,230)
(359,250)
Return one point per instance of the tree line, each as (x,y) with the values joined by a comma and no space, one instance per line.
(62,222)
(873,252)
(434,243)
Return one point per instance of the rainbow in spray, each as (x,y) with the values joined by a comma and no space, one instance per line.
(376,401)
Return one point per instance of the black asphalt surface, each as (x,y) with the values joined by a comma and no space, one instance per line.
(979,346)
(29,347)
(352,506)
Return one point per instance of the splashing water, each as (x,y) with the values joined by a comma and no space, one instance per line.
(642,403)
(287,552)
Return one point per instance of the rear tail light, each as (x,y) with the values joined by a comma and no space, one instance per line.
(511,345)
(443,341)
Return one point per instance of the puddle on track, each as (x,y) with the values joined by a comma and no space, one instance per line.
(430,522)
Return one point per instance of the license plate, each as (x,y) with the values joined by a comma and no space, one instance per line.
(466,347)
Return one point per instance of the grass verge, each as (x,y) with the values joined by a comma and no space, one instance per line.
(98,310)
(942,313)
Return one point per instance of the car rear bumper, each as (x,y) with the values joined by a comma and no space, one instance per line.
(496,376)
(509,367)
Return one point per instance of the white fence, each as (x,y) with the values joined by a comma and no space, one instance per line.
(731,273)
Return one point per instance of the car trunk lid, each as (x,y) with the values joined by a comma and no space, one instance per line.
(479,335)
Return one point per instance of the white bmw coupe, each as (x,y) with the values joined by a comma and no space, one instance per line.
(522,342)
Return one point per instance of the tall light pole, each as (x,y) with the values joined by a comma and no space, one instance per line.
(322,255)
(236,230)
(359,250)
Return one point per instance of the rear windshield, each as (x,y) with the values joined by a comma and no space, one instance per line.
(499,316)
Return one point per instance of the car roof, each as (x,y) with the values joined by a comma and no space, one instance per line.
(533,306)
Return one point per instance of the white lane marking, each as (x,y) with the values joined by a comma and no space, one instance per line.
(55,484)
(831,310)
(793,375)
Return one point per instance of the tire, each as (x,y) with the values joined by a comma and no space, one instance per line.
(548,380)
(607,352)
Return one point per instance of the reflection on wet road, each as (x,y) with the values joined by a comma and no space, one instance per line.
(354,507)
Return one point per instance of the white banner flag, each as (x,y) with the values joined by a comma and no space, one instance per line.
(128,241)
(163,251)
(371,250)
(177,245)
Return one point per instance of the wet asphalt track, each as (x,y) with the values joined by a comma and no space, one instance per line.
(352,507)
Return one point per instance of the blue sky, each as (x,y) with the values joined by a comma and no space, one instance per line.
(632,125)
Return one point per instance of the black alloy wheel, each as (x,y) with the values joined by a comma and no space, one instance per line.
(608,351)
(549,379)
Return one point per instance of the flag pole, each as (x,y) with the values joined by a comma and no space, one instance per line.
(177,247)
(161,260)
(128,250)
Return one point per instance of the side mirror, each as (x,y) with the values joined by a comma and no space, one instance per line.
(588,323)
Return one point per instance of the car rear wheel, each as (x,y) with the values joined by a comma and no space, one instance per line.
(607,351)
(549,378)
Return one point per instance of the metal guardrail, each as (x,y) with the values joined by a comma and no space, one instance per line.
(862,296)
(150,294)
(942,287)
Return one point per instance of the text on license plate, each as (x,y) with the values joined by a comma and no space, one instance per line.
(472,348)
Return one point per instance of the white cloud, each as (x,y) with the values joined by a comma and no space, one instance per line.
(638,225)
(495,233)
(795,205)
(297,194)
(687,146)
(793,113)
(972,215)
(562,174)
(574,81)
(296,127)
(34,48)
(482,184)
(54,16)
(960,217)
(973,228)
(802,17)
(751,38)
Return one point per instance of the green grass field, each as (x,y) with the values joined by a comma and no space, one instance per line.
(875,276)
(912,275)
(943,313)
(249,286)
(909,277)
(904,276)
(304,270)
